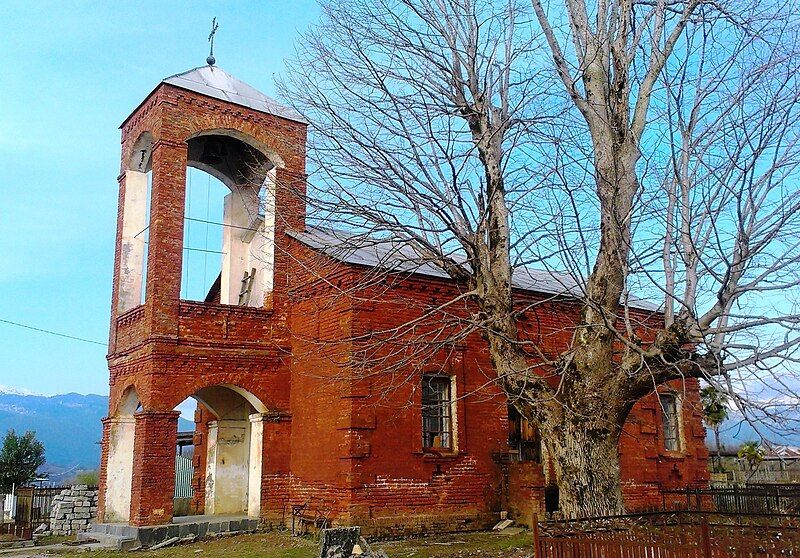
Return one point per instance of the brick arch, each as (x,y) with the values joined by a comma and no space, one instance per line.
(208,398)
(259,131)
(129,403)
(191,114)
(123,397)
(253,391)
(141,151)
(268,151)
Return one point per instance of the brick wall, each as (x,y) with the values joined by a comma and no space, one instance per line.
(153,467)
(392,478)
(342,437)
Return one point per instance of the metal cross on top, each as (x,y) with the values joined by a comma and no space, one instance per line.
(214,26)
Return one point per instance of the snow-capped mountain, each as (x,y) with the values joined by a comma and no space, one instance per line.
(7,390)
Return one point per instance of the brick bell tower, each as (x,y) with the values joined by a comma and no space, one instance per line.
(229,351)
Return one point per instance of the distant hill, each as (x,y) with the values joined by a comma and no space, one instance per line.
(735,431)
(68,425)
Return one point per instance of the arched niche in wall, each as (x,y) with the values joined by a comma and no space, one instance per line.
(119,461)
(135,221)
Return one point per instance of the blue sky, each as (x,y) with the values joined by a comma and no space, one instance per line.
(71,72)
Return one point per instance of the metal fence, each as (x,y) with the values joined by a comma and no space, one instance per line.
(666,535)
(753,499)
(184,475)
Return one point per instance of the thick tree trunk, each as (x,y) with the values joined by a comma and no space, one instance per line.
(587,467)
(582,419)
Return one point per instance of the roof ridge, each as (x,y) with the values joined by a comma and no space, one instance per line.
(351,249)
(221,84)
(179,74)
(230,75)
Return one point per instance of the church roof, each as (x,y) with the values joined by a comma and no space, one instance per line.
(400,257)
(215,82)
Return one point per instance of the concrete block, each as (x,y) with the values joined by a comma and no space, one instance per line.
(202,530)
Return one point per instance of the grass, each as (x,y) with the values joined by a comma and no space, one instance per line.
(277,544)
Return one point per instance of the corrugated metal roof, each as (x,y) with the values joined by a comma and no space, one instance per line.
(399,257)
(219,84)
(780,451)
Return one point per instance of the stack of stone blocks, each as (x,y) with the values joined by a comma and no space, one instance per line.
(73,510)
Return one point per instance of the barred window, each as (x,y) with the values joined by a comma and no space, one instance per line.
(670,421)
(437,420)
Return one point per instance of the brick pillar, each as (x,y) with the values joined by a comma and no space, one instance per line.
(165,253)
(289,215)
(201,418)
(112,333)
(153,483)
(275,464)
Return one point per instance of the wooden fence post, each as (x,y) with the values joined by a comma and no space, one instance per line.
(705,539)
(537,547)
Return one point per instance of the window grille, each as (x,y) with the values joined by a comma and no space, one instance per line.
(437,420)
(669,421)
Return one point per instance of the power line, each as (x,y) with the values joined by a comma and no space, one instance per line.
(195,219)
(52,332)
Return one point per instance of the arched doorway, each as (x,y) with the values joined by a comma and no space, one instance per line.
(228,451)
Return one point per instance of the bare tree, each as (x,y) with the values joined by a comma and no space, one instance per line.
(652,152)
(730,249)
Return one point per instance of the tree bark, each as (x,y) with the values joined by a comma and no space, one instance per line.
(586,462)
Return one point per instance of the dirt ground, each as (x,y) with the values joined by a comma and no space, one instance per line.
(512,544)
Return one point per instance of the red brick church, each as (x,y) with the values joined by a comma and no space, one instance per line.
(284,429)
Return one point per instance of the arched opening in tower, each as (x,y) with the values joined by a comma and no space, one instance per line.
(135,227)
(228,243)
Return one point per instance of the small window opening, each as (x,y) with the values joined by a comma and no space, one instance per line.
(437,419)
(523,437)
(670,421)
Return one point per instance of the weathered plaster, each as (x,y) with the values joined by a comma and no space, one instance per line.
(132,249)
(119,469)
(227,467)
(255,466)
(240,213)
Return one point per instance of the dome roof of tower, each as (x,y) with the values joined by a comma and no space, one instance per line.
(215,82)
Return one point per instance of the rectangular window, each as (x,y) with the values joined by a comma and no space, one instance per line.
(437,420)
(669,421)
(523,437)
